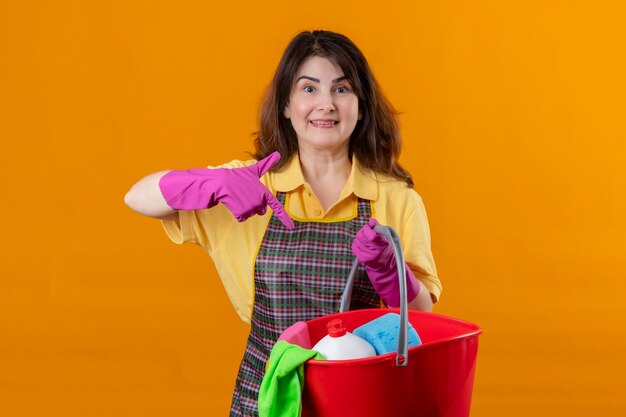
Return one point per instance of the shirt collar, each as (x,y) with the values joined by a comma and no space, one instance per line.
(290,177)
(361,182)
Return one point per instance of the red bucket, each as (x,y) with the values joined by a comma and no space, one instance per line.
(437,380)
(434,379)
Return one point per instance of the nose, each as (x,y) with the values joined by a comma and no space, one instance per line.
(326,102)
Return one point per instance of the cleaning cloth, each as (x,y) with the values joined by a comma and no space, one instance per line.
(280,394)
(382,333)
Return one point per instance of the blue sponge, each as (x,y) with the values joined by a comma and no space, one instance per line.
(382,333)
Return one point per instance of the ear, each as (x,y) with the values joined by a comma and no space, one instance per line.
(360,115)
(287,112)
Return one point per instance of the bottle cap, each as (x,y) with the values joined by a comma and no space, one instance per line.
(335,328)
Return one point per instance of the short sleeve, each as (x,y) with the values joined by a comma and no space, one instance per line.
(417,248)
(205,228)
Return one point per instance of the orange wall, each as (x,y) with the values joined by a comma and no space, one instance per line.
(513,119)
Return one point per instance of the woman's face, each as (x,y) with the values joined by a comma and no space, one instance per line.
(322,107)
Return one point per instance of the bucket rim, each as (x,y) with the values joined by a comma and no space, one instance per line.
(473,333)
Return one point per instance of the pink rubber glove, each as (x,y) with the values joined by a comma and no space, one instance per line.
(376,253)
(239,189)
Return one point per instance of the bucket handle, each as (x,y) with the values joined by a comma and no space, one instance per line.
(402,357)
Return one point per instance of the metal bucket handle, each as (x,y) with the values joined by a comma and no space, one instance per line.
(402,358)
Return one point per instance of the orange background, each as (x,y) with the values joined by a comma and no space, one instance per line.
(514,127)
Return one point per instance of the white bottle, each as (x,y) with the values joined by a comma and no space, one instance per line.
(341,344)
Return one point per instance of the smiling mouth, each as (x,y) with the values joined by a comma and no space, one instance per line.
(324,123)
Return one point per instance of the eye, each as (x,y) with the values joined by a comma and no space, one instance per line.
(342,90)
(308,89)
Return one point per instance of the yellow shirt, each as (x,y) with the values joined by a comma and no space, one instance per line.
(233,246)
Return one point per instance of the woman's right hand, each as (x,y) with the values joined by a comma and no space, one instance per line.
(239,189)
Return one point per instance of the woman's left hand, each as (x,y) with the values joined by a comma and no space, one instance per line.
(375,252)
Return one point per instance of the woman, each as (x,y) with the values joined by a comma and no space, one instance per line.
(326,164)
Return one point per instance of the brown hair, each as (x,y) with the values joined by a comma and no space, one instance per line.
(376,138)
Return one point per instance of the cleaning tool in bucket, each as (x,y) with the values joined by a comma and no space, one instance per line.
(340,344)
(297,334)
(281,389)
(433,379)
(382,333)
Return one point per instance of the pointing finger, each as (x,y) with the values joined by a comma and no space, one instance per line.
(266,163)
(279,211)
